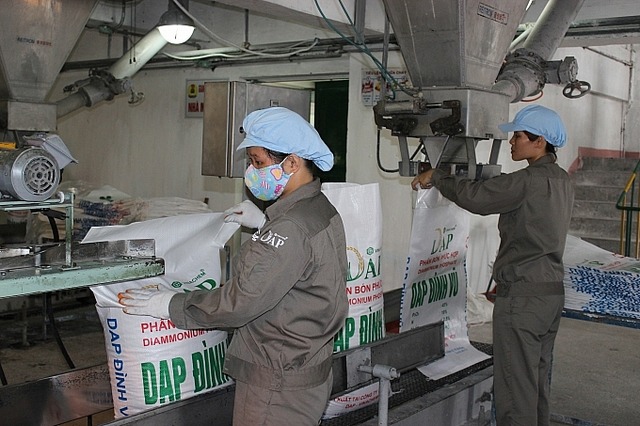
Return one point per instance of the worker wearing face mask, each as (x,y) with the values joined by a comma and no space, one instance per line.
(534,205)
(287,298)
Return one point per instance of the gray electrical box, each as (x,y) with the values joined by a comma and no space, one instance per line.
(226,104)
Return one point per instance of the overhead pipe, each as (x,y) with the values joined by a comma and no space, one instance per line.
(105,85)
(524,72)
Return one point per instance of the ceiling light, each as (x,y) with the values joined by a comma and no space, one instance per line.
(175,26)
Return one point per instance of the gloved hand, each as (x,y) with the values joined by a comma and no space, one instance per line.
(246,214)
(146,301)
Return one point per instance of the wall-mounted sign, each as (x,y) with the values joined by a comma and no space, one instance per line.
(194,99)
(372,84)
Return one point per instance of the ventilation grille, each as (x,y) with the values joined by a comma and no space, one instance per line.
(40,176)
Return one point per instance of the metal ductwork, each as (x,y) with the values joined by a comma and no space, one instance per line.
(36,37)
(105,84)
(455,51)
(528,69)
(448,43)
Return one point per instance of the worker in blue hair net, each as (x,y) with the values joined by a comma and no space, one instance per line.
(287,298)
(534,205)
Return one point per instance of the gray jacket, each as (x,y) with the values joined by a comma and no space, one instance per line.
(534,204)
(286,300)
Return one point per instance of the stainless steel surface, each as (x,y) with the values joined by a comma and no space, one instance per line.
(29,116)
(57,399)
(35,39)
(226,105)
(481,112)
(67,265)
(54,254)
(454,43)
(62,201)
(88,391)
(6,252)
(94,263)
(454,52)
(403,351)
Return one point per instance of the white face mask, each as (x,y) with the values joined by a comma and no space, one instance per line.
(267,183)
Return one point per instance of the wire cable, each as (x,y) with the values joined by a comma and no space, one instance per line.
(221,40)
(364,49)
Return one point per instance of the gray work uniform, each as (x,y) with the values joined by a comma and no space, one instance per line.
(286,301)
(535,205)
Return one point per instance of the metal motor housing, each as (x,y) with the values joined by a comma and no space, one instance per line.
(28,174)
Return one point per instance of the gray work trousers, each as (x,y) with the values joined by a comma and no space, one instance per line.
(524,331)
(256,406)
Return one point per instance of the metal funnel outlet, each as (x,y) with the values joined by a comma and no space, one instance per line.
(36,37)
(454,43)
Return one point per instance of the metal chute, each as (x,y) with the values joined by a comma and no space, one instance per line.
(463,80)
(35,40)
(33,49)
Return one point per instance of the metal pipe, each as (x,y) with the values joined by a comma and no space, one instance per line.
(125,67)
(521,38)
(131,62)
(551,26)
(523,74)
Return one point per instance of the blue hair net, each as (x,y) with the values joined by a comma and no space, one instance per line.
(282,130)
(540,121)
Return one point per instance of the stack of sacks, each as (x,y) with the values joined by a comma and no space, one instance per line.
(600,282)
(154,208)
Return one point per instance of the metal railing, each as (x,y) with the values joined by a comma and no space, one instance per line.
(629,205)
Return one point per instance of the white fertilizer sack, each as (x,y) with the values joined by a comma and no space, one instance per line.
(361,211)
(151,362)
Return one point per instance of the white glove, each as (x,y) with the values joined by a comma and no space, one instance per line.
(246,214)
(146,301)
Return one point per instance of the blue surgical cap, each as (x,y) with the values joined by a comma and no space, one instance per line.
(540,121)
(282,130)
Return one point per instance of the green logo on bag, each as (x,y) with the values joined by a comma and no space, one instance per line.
(359,261)
(371,266)
(441,243)
(176,284)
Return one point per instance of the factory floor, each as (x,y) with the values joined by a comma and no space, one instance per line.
(596,371)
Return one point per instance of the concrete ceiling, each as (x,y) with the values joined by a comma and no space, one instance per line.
(598,21)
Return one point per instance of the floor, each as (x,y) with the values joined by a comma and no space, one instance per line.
(596,372)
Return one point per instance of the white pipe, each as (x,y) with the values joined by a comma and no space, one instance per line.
(522,78)
(145,49)
(551,26)
(125,67)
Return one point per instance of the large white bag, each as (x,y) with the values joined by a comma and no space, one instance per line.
(435,282)
(361,212)
(151,362)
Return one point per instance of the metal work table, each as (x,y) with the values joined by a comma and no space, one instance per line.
(66,265)
(31,269)
(108,262)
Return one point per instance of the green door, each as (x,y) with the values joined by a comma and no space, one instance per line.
(330,119)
